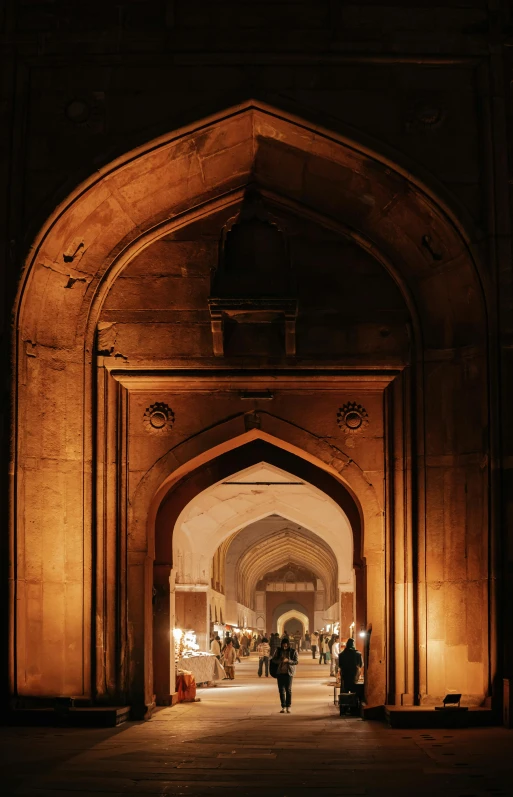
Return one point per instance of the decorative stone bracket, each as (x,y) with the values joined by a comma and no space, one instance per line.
(253,311)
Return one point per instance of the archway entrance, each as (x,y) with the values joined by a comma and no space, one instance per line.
(250,289)
(251,546)
(293,622)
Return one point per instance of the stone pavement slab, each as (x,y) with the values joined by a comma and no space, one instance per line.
(236,740)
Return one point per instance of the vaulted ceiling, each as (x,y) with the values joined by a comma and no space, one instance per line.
(229,508)
(288,546)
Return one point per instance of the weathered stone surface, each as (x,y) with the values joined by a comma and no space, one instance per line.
(385,162)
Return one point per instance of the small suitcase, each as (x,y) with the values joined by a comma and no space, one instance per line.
(348,703)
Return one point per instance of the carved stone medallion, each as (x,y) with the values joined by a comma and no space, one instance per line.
(159,418)
(352,419)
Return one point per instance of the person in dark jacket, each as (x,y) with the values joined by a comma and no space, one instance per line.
(236,645)
(349,662)
(285,660)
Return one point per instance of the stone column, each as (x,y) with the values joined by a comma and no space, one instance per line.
(163,642)
(401,617)
(346,613)
(191,612)
(319,606)
(374,649)
(140,658)
(110,599)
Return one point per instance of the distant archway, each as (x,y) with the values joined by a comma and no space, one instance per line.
(292,614)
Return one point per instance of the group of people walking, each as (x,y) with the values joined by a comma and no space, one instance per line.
(279,658)
(327,646)
(230,650)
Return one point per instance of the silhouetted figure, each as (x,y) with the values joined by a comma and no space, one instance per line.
(350,661)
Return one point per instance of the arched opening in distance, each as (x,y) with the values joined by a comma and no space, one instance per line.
(285,626)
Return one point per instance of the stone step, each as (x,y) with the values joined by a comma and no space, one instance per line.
(430,717)
(81,717)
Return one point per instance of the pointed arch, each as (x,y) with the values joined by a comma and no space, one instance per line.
(241,452)
(76,258)
(290,615)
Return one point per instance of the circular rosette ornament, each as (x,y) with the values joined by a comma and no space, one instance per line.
(352,419)
(159,418)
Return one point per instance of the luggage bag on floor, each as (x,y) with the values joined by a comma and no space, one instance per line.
(348,703)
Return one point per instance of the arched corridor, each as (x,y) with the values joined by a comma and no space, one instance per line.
(255,548)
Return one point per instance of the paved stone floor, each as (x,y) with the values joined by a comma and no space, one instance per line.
(235,741)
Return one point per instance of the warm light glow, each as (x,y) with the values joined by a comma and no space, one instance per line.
(189,641)
(177,634)
(363,634)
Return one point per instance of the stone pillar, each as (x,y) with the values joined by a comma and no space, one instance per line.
(140,658)
(260,611)
(401,616)
(346,614)
(375,643)
(319,606)
(191,612)
(110,599)
(453,554)
(163,647)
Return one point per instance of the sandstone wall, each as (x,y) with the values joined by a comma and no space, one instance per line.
(427,89)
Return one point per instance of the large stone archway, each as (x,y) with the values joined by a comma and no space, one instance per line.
(88,485)
(195,516)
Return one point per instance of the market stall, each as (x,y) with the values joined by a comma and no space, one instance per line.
(193,666)
(204,666)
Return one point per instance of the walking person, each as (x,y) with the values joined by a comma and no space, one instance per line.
(284,663)
(263,650)
(350,662)
(236,645)
(229,659)
(322,652)
(315,641)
